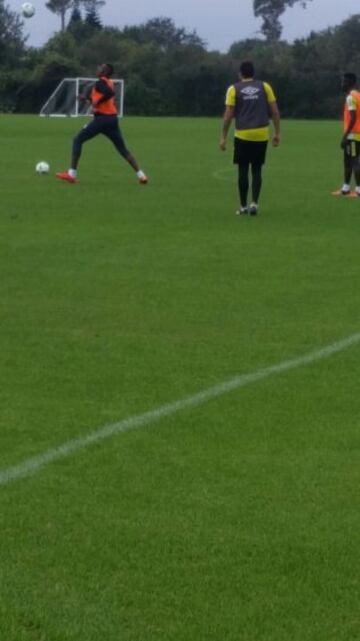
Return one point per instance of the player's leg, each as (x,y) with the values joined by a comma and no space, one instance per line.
(88,132)
(256,170)
(243,185)
(349,163)
(114,134)
(241,159)
(94,128)
(258,160)
(356,167)
(348,167)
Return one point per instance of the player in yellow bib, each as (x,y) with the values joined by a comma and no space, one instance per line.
(251,103)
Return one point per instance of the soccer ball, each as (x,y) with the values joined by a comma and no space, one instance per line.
(27,9)
(42,168)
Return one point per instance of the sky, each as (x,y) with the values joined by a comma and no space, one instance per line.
(219,23)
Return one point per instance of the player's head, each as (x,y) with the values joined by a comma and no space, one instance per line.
(105,69)
(349,81)
(247,69)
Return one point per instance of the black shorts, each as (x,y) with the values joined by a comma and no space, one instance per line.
(107,126)
(247,151)
(352,150)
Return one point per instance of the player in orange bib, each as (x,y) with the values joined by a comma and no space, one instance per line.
(105,121)
(350,141)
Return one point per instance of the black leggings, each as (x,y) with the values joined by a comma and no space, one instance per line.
(243,182)
(352,161)
(106,125)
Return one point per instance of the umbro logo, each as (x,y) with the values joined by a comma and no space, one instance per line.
(250,91)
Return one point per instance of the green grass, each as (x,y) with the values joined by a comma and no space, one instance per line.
(234,521)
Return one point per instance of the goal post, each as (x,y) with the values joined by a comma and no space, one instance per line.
(64,100)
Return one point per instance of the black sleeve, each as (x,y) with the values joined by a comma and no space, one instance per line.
(103,88)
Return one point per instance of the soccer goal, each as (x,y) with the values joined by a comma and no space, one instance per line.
(64,100)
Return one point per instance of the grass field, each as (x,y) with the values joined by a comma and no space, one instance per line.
(236,519)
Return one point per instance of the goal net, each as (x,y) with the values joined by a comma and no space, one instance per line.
(64,100)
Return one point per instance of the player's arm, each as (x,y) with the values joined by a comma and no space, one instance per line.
(228,116)
(349,128)
(274,113)
(351,103)
(105,90)
(84,97)
(275,117)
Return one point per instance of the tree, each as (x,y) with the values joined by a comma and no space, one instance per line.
(270,11)
(60,7)
(92,18)
(164,33)
(12,41)
(92,4)
(12,57)
(75,17)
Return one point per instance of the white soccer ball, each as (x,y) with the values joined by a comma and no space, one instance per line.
(27,9)
(42,167)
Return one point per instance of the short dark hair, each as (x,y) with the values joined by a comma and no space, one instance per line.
(110,69)
(350,78)
(247,69)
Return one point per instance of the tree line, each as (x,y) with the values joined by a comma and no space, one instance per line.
(169,70)
(270,12)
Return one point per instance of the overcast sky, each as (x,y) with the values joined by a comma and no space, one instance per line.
(218,22)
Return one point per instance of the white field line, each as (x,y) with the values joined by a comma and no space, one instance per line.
(31,465)
(226,174)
